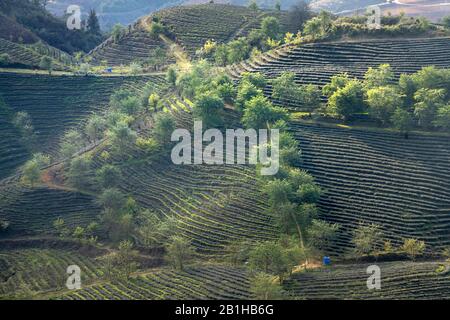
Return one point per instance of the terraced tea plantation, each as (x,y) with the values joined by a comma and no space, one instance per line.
(56,103)
(400,280)
(196,283)
(401,185)
(194,25)
(317,63)
(27,271)
(136,45)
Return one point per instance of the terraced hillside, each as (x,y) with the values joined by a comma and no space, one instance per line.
(370,177)
(399,280)
(30,55)
(317,63)
(213,204)
(194,25)
(196,283)
(55,103)
(135,45)
(25,271)
(12,152)
(32,211)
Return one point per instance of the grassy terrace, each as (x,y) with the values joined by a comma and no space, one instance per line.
(317,63)
(399,280)
(27,271)
(374,177)
(207,282)
(194,25)
(32,211)
(135,45)
(213,204)
(55,103)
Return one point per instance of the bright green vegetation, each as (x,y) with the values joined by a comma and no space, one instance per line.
(373,177)
(207,282)
(400,280)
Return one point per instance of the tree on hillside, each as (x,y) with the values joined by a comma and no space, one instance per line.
(108,176)
(270,257)
(337,82)
(46,63)
(259,113)
(382,76)
(32,169)
(135,68)
(93,26)
(402,121)
(270,27)
(319,26)
(126,257)
(347,101)
(413,247)
(179,251)
(246,92)
(122,138)
(255,78)
(117,32)
(309,95)
(428,101)
(265,287)
(382,103)
(321,234)
(95,128)
(208,108)
(443,118)
(446,22)
(171,76)
(79,175)
(72,142)
(22,121)
(112,199)
(253,5)
(365,239)
(163,128)
(5,60)
(284,87)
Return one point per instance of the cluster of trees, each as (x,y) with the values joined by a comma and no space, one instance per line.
(419,99)
(85,235)
(269,36)
(326,26)
(23,123)
(367,240)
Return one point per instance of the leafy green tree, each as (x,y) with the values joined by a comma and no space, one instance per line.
(321,233)
(382,76)
(278,192)
(319,26)
(428,101)
(61,228)
(270,257)
(402,121)
(153,101)
(337,82)
(270,27)
(117,32)
(253,5)
(179,251)
(259,113)
(382,103)
(126,259)
(208,108)
(79,233)
(255,78)
(156,29)
(93,26)
(246,92)
(108,176)
(226,92)
(172,76)
(4,225)
(366,238)
(22,121)
(46,63)
(237,252)
(72,142)
(413,247)
(80,172)
(446,22)
(221,55)
(284,87)
(309,95)
(265,287)
(443,117)
(347,100)
(135,68)
(5,60)
(95,128)
(112,199)
(408,88)
(309,193)
(239,50)
(122,138)
(31,173)
(163,128)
